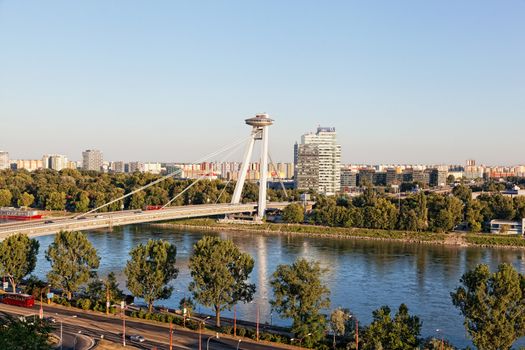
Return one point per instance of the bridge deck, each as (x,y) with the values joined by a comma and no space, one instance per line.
(119,218)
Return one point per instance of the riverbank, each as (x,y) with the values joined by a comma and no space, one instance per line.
(448,239)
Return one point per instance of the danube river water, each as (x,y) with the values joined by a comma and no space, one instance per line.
(362,275)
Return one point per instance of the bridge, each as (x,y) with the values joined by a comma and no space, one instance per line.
(126,217)
(92,220)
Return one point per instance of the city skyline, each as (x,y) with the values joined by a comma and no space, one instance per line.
(402,83)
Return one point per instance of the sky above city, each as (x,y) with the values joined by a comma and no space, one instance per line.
(403,81)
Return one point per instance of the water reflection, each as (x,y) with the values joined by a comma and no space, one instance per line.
(362,275)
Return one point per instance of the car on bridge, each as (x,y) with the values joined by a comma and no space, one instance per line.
(137,338)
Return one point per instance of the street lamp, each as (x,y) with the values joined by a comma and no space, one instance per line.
(208,341)
(123,311)
(61,327)
(239,344)
(201,322)
(300,340)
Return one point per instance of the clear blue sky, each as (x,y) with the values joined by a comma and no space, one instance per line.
(401,81)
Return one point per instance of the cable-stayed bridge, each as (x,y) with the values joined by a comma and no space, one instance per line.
(94,220)
(126,217)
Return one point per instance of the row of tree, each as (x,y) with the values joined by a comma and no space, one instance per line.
(493,303)
(417,212)
(79,191)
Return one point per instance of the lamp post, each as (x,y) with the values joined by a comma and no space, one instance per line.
(123,311)
(235,320)
(238,344)
(208,341)
(300,340)
(201,322)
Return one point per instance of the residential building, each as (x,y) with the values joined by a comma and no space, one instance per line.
(4,160)
(153,168)
(54,161)
(348,179)
(117,167)
(92,160)
(29,164)
(317,162)
(438,177)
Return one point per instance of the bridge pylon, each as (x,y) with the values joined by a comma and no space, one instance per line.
(259,124)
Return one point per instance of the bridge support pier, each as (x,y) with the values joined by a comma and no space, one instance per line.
(259,124)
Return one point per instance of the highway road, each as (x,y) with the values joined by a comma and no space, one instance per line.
(117,218)
(95,325)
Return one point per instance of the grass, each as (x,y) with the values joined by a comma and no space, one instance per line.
(321,230)
(494,240)
(408,236)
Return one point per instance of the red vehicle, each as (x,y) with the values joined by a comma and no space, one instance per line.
(23,300)
(154,207)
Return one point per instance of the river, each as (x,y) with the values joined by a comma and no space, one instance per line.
(362,275)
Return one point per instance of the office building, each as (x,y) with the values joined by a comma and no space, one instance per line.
(92,160)
(317,162)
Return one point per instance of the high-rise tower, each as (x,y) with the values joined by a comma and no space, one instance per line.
(259,124)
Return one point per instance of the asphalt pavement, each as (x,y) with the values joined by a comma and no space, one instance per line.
(86,325)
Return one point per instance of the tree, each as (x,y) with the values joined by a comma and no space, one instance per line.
(462,192)
(5,197)
(293,213)
(18,257)
(338,319)
(474,216)
(82,204)
(398,333)
(23,334)
(25,200)
(72,258)
(300,295)
(220,272)
(493,305)
(56,201)
(150,268)
(100,291)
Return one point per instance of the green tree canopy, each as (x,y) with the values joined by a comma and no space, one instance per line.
(300,295)
(18,255)
(99,291)
(26,200)
(24,334)
(398,333)
(493,305)
(5,197)
(338,319)
(220,272)
(56,201)
(149,270)
(73,259)
(293,213)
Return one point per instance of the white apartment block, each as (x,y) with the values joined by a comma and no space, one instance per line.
(318,162)
(4,160)
(54,161)
(92,160)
